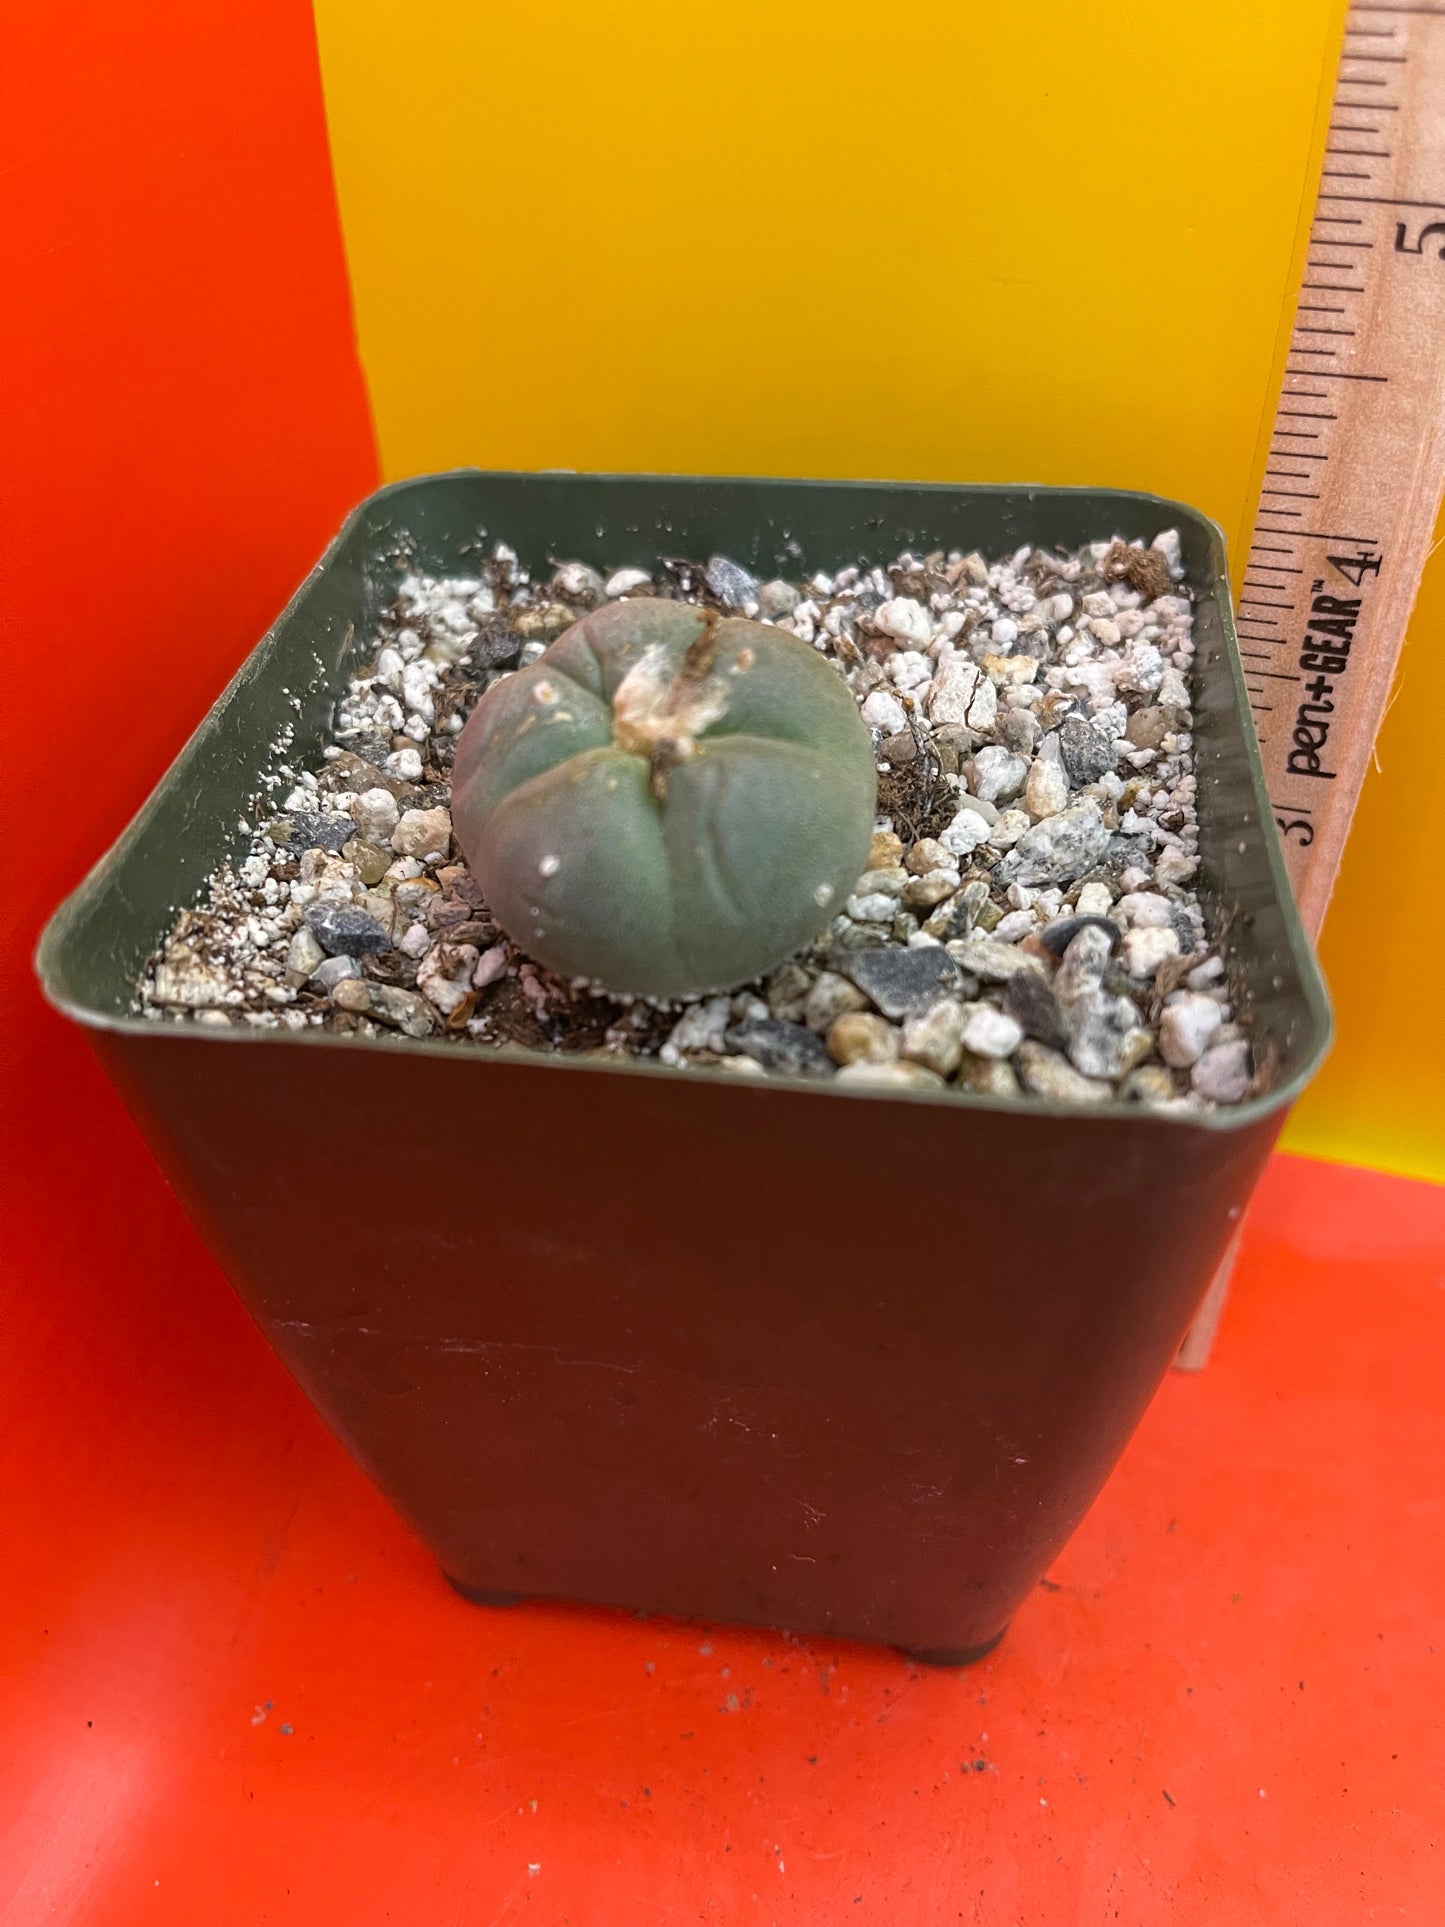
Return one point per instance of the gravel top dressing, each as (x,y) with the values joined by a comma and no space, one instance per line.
(1027,924)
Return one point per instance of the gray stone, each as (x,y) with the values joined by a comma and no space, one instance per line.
(311,830)
(333,971)
(777,599)
(899,748)
(343,930)
(497,645)
(1028,997)
(1058,935)
(1084,963)
(1086,752)
(731,583)
(1060,849)
(902,982)
(387,1004)
(790,1049)
(369,745)
(1047,1074)
(1021,730)
(1106,1038)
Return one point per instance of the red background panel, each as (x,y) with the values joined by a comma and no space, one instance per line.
(237,1690)
(182,425)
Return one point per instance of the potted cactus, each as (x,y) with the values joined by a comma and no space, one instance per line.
(667,802)
(846,1350)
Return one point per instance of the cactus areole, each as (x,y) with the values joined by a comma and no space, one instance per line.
(666,802)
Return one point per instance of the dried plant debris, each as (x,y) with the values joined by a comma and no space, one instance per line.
(1027,927)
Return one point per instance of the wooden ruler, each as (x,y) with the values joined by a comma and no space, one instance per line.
(1357,456)
(1356,462)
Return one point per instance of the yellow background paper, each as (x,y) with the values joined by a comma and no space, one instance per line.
(926,240)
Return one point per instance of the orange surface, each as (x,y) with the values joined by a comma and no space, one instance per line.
(236,1689)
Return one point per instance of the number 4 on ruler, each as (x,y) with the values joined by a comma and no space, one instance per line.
(1356,456)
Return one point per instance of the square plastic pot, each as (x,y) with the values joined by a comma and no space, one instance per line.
(829,1361)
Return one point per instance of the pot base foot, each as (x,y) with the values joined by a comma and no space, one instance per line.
(954,1655)
(480,1596)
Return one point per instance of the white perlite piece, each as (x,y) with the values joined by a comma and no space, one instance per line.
(1036,855)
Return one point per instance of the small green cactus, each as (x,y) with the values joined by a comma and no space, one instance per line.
(667,801)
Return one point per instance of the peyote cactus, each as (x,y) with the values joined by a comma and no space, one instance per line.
(667,801)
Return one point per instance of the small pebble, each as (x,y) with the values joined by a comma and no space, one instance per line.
(332,971)
(342,929)
(1029,998)
(964,834)
(1186,1027)
(1149,1084)
(303,954)
(1144,949)
(1046,790)
(626,582)
(388,1004)
(830,996)
(906,619)
(1223,1073)
(902,982)
(1049,1075)
(999,775)
(860,1036)
(310,830)
(885,712)
(989,1033)
(901,1076)
(935,1037)
(789,1050)
(491,966)
(1058,850)
(424,834)
(990,960)
(732,585)
(375,814)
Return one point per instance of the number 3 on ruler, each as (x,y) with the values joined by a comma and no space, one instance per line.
(1403,247)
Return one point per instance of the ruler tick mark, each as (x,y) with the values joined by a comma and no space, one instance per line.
(1373,200)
